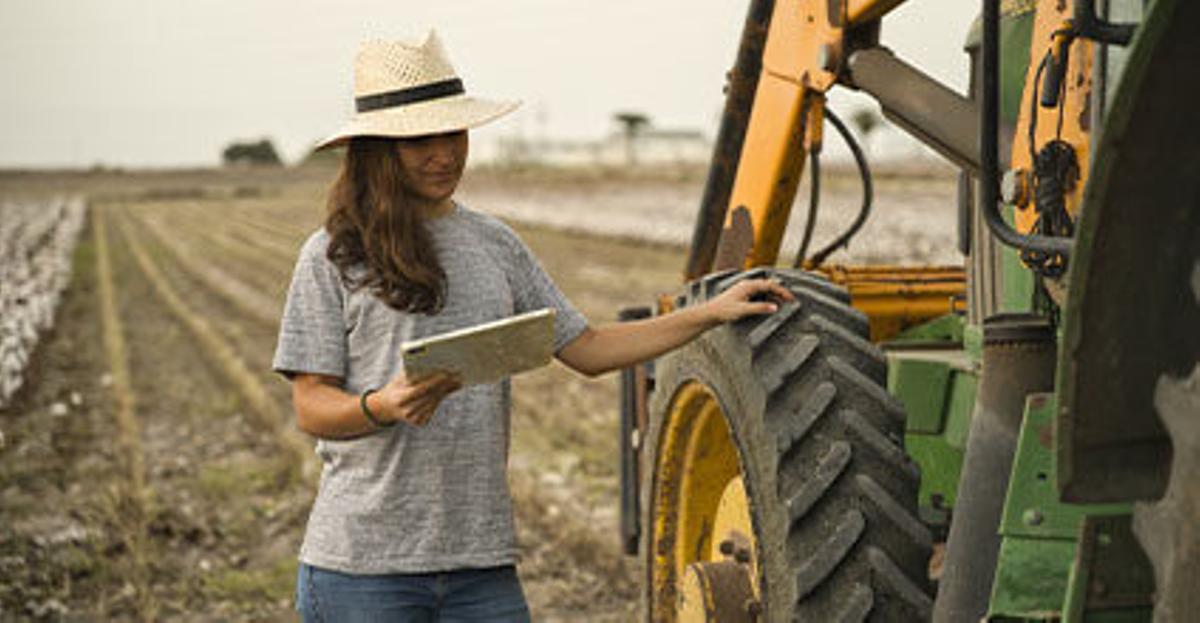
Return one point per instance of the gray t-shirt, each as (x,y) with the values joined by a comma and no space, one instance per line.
(415,499)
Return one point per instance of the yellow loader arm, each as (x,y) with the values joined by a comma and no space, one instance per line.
(774,120)
(805,47)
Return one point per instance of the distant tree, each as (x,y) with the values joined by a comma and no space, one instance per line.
(632,124)
(260,152)
(866,121)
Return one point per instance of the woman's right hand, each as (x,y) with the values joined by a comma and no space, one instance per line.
(412,402)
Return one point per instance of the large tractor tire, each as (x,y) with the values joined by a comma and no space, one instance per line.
(1169,529)
(776,486)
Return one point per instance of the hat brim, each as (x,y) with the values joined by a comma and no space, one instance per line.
(449,114)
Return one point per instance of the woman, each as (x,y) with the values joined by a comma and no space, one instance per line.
(413,521)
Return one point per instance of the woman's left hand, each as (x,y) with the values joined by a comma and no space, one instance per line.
(748,298)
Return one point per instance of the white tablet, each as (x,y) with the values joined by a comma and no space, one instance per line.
(485,353)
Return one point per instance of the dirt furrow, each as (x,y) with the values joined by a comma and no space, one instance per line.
(223,526)
(131,494)
(264,409)
(243,296)
(278,237)
(231,220)
(227,508)
(64,476)
(203,235)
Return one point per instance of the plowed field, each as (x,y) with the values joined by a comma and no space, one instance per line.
(150,467)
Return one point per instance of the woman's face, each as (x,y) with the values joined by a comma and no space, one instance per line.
(433,164)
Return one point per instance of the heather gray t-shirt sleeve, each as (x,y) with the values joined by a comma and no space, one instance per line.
(533,289)
(312,332)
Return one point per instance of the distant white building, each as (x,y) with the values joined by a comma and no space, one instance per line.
(648,147)
(886,146)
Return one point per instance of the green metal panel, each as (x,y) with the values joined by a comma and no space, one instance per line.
(940,464)
(923,386)
(973,341)
(1017,282)
(1032,507)
(962,403)
(1031,579)
(1034,572)
(947,329)
(1111,579)
(1016,33)
(937,388)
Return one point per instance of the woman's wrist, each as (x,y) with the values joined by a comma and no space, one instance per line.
(709,315)
(372,409)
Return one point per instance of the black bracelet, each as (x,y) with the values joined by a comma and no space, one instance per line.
(376,422)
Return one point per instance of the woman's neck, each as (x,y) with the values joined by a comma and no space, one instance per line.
(432,209)
(440,209)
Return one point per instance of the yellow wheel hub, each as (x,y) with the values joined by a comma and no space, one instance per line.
(703,548)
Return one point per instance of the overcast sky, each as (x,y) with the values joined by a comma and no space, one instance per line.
(170,82)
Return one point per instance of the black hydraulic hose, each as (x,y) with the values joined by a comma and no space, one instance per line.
(989,200)
(1088,24)
(814,200)
(868,191)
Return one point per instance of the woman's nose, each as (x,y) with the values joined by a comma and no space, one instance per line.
(441,150)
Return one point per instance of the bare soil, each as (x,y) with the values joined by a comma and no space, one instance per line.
(216,528)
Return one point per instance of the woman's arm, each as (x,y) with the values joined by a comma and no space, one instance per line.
(619,345)
(325,410)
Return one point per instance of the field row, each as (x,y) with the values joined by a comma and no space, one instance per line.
(36,245)
(237,259)
(178,483)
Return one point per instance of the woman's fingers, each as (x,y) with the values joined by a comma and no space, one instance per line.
(420,413)
(752,297)
(419,401)
(764,295)
(426,413)
(436,382)
(769,287)
(760,308)
(778,290)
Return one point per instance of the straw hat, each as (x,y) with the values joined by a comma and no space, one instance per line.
(410,89)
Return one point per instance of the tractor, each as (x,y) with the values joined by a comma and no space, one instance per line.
(1012,438)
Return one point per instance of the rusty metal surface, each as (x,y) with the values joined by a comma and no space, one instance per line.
(736,241)
(1075,126)
(717,592)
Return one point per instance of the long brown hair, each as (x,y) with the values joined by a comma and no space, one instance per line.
(374,224)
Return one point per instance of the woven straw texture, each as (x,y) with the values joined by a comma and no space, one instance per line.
(383,66)
(386,65)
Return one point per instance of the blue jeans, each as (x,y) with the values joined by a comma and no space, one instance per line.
(449,597)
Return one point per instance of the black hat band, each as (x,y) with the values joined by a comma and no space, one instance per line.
(413,95)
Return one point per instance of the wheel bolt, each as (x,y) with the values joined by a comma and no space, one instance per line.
(742,555)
